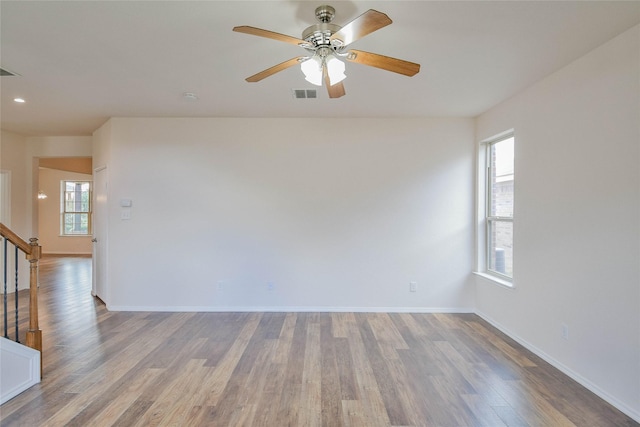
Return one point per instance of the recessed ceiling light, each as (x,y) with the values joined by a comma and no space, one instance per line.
(19,100)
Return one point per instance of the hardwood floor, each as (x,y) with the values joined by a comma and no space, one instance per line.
(284,369)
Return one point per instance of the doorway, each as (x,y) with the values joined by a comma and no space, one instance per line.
(53,235)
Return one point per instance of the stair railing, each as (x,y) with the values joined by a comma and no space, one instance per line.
(32,252)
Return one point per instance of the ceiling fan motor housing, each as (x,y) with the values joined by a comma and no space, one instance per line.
(325,13)
(319,34)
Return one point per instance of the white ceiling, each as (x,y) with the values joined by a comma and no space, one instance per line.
(81,62)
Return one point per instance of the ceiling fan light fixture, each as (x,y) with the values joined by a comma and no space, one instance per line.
(312,69)
(335,69)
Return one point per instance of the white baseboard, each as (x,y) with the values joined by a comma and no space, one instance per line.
(565,370)
(290,309)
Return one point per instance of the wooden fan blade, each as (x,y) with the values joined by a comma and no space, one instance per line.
(364,24)
(268,34)
(384,62)
(335,91)
(275,69)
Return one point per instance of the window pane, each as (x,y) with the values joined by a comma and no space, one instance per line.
(77,197)
(501,184)
(501,247)
(76,223)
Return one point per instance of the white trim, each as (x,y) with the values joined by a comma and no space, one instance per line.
(565,370)
(495,279)
(498,137)
(24,365)
(291,309)
(480,208)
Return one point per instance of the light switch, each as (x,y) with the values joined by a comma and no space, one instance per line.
(125,214)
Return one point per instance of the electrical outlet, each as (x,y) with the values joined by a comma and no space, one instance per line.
(564,331)
(413,286)
(125,214)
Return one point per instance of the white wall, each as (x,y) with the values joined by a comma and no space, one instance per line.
(14,160)
(101,146)
(577,220)
(61,146)
(49,215)
(338,214)
(14,164)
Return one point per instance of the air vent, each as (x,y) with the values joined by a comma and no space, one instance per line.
(305,93)
(4,72)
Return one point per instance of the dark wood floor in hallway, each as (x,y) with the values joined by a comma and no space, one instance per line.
(106,368)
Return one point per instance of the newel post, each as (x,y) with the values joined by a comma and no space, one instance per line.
(34,334)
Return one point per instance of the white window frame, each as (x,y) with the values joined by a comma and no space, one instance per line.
(484,219)
(63,210)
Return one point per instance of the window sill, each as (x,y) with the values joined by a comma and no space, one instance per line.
(498,281)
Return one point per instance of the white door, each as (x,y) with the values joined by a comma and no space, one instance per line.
(100,226)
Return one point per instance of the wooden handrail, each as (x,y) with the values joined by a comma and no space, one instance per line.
(33,252)
(15,239)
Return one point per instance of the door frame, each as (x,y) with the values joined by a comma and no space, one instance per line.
(99,283)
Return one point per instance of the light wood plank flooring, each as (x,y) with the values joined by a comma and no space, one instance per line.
(284,369)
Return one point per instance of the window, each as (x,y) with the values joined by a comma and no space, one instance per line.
(499,197)
(76,208)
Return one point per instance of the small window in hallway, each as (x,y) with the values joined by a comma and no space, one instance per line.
(76,208)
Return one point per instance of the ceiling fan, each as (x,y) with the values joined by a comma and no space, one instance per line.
(327,44)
